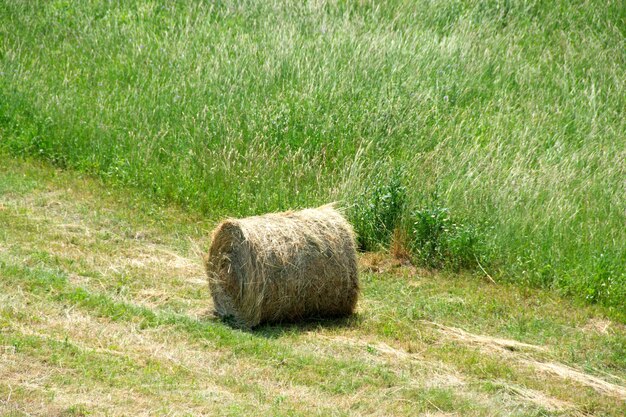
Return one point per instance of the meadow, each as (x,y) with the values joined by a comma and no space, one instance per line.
(478,147)
(105,311)
(482,136)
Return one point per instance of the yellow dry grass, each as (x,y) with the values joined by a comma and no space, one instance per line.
(283,267)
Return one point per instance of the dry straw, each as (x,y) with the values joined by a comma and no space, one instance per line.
(283,267)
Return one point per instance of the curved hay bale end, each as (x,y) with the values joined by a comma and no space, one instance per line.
(283,267)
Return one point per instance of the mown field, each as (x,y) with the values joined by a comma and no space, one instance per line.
(488,134)
(105,311)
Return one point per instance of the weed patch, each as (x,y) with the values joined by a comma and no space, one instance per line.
(438,240)
(377,212)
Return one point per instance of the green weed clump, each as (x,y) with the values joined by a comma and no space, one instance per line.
(438,240)
(378,211)
(604,284)
(430,234)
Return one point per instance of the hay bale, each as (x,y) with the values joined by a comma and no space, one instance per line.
(283,267)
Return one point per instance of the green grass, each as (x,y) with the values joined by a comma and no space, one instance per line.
(105,310)
(507,114)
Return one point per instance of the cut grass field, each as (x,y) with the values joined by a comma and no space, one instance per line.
(506,115)
(105,310)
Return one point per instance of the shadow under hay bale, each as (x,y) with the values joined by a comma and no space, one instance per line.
(283,267)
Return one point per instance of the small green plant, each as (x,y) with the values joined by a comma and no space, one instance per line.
(78,410)
(378,211)
(440,241)
(603,283)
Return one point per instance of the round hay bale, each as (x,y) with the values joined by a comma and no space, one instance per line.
(283,267)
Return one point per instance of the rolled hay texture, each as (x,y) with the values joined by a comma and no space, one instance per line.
(283,267)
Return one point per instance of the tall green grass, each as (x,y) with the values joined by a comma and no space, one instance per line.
(508,115)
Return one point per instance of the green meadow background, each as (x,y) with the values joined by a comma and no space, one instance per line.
(489,135)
